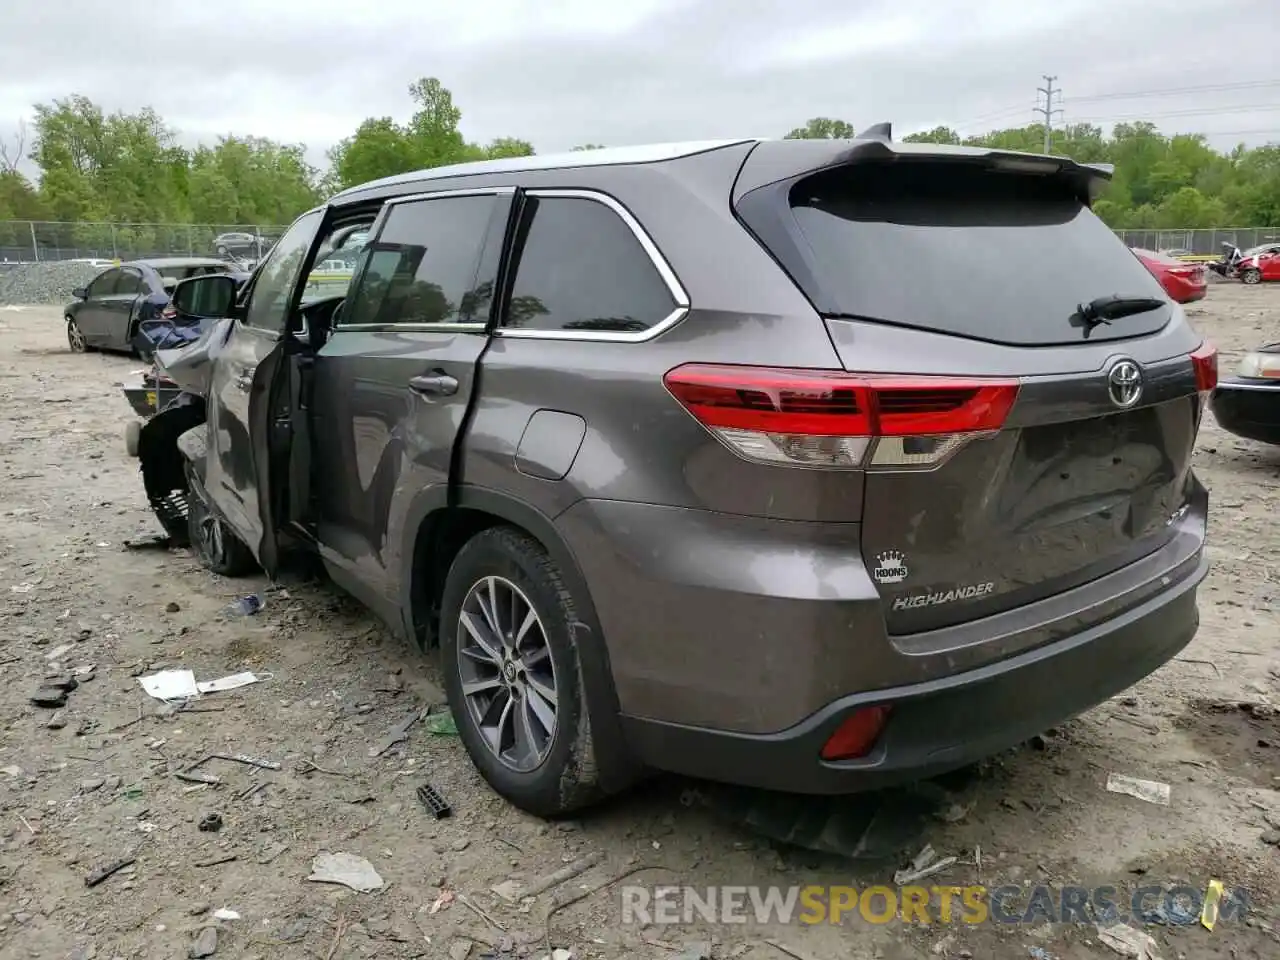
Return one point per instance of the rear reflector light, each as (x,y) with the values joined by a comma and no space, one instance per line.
(824,418)
(856,735)
(1205,361)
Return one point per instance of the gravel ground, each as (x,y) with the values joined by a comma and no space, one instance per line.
(94,783)
(49,283)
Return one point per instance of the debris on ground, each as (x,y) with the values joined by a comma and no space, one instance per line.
(222,913)
(115,866)
(1152,791)
(1212,898)
(435,803)
(246,606)
(347,870)
(150,541)
(1129,942)
(925,864)
(206,944)
(210,823)
(441,724)
(398,734)
(510,891)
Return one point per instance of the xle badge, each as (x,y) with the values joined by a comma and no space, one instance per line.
(891,567)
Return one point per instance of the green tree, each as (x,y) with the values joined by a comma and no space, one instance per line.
(823,128)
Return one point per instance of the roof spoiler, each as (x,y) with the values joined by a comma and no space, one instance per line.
(775,162)
(878,131)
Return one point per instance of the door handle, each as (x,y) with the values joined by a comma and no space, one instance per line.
(435,384)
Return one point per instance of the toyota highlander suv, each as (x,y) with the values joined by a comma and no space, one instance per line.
(813,465)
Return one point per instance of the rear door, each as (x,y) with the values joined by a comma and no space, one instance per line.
(394,380)
(241,411)
(1034,451)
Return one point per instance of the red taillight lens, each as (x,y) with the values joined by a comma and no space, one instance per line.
(1205,361)
(857,734)
(168,312)
(831,418)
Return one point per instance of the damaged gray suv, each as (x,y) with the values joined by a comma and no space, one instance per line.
(811,465)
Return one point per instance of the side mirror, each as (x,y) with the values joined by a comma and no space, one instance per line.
(210,297)
(80,293)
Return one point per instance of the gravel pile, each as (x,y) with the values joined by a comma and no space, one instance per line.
(43,282)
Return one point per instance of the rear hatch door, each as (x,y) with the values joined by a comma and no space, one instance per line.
(966,269)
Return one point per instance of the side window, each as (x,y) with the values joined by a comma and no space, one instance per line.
(130,283)
(274,285)
(104,285)
(423,266)
(582,268)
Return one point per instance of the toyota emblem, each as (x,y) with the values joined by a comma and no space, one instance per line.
(1124,383)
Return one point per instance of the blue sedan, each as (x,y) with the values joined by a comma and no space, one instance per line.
(106,314)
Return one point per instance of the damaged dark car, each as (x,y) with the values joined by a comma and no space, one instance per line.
(679,469)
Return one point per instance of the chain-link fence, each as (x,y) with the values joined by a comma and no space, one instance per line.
(1204,243)
(25,241)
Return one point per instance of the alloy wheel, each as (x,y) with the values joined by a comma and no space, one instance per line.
(1251,276)
(75,336)
(507,673)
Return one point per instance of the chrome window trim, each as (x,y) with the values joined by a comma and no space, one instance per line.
(409,328)
(437,194)
(668,275)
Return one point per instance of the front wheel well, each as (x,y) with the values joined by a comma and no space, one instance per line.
(440,537)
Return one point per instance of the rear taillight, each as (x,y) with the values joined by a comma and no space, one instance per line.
(168,312)
(825,418)
(1205,361)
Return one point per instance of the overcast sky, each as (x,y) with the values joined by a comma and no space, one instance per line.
(565,72)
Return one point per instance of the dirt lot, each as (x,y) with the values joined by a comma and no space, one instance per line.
(100,787)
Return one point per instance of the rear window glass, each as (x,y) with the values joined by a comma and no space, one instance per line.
(965,250)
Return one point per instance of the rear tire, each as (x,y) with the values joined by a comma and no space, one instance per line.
(1251,276)
(215,543)
(534,675)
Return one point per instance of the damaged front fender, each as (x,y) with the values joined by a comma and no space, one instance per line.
(191,366)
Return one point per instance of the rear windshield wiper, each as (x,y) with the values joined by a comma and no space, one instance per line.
(1105,309)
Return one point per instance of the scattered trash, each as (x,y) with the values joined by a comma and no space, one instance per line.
(442,902)
(398,734)
(222,913)
(431,799)
(1149,790)
(151,541)
(210,823)
(1129,942)
(1040,953)
(955,813)
(206,944)
(244,758)
(12,770)
(217,861)
(509,891)
(246,606)
(345,869)
(57,721)
(115,866)
(232,682)
(924,865)
(1212,898)
(176,685)
(441,724)
(170,685)
(58,652)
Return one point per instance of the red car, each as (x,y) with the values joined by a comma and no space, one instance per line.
(1261,266)
(1183,282)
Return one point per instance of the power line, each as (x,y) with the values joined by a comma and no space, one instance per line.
(1178,91)
(1172,114)
(1048,110)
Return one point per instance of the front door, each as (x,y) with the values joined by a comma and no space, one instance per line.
(118,308)
(91,318)
(240,404)
(394,379)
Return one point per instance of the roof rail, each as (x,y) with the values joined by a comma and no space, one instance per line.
(877,131)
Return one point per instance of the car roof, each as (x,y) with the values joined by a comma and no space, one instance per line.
(157,263)
(777,154)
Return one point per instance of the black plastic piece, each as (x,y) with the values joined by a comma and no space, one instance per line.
(433,801)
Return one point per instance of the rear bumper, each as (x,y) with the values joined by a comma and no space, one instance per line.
(1248,409)
(942,724)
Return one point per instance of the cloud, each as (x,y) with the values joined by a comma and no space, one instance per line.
(573,71)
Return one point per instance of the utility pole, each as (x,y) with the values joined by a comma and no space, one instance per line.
(1048,110)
